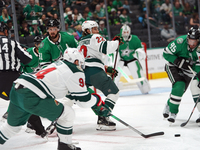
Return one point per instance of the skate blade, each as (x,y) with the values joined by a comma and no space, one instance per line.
(28,130)
(105,128)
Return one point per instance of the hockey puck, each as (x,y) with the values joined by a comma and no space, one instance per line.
(177,135)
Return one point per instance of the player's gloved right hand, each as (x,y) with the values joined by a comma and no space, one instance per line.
(110,71)
(183,63)
(119,39)
(100,108)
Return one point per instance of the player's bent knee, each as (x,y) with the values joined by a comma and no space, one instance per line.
(67,117)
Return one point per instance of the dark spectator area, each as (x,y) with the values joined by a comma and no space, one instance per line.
(32,16)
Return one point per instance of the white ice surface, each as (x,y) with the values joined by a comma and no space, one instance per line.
(143,112)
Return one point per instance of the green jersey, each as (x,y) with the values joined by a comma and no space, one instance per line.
(39,32)
(179,48)
(34,64)
(36,10)
(127,49)
(50,51)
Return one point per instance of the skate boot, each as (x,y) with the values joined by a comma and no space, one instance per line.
(166,111)
(29,128)
(63,146)
(198,121)
(4,117)
(105,124)
(172,118)
(49,130)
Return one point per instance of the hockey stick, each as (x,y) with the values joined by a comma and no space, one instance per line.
(115,62)
(140,133)
(129,79)
(183,124)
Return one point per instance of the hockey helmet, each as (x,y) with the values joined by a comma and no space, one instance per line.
(193,37)
(89,24)
(73,54)
(194,33)
(38,39)
(3,27)
(53,23)
(125,32)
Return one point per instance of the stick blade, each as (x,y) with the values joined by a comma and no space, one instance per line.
(153,134)
(183,124)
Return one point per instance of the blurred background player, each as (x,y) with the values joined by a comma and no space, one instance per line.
(180,54)
(36,94)
(54,45)
(11,55)
(94,46)
(130,52)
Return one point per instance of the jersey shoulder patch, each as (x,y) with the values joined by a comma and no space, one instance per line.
(179,40)
(41,45)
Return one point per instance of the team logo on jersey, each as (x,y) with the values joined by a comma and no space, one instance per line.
(41,45)
(198,48)
(179,40)
(56,102)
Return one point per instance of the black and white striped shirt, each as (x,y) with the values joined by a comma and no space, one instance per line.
(12,54)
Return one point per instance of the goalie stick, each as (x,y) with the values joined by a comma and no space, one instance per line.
(129,79)
(140,133)
(183,124)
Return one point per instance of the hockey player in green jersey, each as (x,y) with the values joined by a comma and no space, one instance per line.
(94,46)
(37,94)
(180,54)
(130,52)
(33,66)
(54,45)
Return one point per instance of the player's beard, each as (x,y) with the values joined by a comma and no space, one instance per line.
(53,37)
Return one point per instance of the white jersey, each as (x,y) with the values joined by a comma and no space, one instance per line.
(58,80)
(94,47)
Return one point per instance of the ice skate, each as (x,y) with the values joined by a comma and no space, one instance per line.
(198,121)
(105,124)
(29,128)
(172,118)
(49,130)
(166,111)
(63,146)
(4,117)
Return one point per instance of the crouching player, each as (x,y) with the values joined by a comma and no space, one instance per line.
(37,93)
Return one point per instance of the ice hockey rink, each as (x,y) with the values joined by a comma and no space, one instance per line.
(143,112)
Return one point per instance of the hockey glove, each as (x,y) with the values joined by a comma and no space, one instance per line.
(119,39)
(100,108)
(110,71)
(183,63)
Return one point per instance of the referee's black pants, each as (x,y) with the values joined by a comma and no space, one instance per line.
(6,81)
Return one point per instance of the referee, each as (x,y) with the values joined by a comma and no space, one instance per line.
(11,55)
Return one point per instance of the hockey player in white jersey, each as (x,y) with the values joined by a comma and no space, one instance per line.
(94,46)
(37,94)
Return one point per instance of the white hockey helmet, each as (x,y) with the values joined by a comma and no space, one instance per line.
(73,54)
(89,24)
(125,32)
